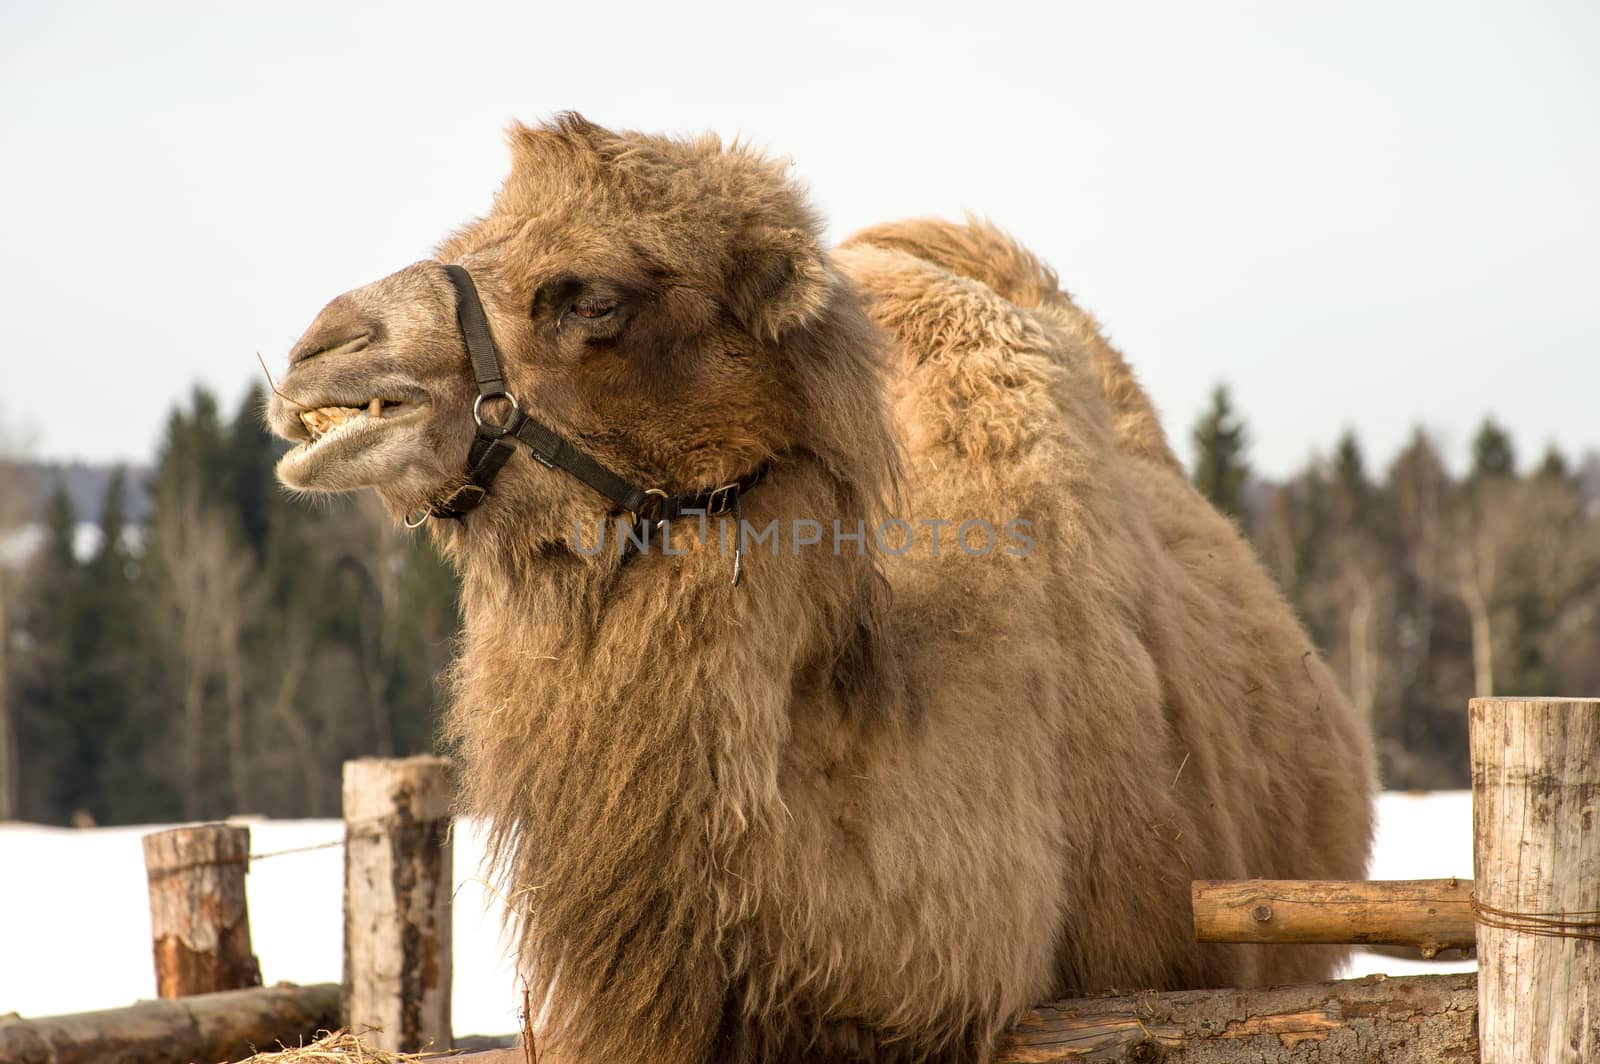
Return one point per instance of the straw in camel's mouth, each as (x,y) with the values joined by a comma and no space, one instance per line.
(322,421)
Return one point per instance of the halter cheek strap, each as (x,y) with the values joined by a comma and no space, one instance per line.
(493,444)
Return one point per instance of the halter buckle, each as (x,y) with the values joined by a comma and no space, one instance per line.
(466,497)
(455,505)
(722,499)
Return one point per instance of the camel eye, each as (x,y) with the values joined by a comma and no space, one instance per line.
(593,311)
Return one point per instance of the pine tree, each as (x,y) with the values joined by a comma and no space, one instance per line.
(192,459)
(1422,735)
(1492,453)
(49,769)
(1220,469)
(130,737)
(13,489)
(1308,492)
(1553,466)
(248,488)
(1354,489)
(83,730)
(59,557)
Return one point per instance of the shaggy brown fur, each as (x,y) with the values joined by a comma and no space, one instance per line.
(803,818)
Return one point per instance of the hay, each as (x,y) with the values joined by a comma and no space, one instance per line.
(339,1047)
(342,1047)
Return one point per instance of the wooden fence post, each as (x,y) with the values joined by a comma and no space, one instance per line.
(397,894)
(1536,861)
(199,920)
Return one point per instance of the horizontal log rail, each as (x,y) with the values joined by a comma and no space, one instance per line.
(1424,1019)
(228,1025)
(1430,914)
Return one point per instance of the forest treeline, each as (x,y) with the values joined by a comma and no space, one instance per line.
(226,653)
(1422,589)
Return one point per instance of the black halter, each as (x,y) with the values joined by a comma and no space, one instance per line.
(494,444)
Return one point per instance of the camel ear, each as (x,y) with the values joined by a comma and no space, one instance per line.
(564,138)
(583,134)
(778,280)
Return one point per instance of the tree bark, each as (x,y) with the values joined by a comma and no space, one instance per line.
(209,1027)
(397,902)
(199,920)
(1426,1019)
(1536,856)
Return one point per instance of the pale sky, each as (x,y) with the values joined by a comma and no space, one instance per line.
(1366,214)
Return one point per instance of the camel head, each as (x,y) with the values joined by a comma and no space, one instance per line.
(664,305)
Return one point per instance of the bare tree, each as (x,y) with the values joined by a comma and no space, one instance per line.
(204,580)
(1360,584)
(1488,528)
(370,547)
(283,707)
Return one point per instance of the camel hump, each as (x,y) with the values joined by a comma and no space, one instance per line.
(983,252)
(978,250)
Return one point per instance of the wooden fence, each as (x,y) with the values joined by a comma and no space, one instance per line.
(1532,913)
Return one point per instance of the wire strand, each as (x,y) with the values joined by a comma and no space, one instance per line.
(1583,924)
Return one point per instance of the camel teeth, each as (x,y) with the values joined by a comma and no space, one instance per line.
(323,420)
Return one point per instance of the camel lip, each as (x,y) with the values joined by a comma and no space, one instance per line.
(315,456)
(287,411)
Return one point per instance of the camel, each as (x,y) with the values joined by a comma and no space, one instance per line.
(880,795)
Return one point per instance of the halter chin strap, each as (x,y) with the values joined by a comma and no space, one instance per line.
(494,443)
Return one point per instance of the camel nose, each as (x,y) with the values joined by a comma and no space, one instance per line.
(341,328)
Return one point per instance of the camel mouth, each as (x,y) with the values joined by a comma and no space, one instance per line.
(323,421)
(338,442)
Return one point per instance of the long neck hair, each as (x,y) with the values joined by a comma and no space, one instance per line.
(620,725)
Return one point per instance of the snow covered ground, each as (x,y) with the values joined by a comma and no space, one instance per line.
(75,919)
(75,927)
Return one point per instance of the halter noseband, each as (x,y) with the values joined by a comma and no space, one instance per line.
(493,443)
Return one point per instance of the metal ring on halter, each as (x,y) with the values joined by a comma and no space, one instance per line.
(406,520)
(477,411)
(644,512)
